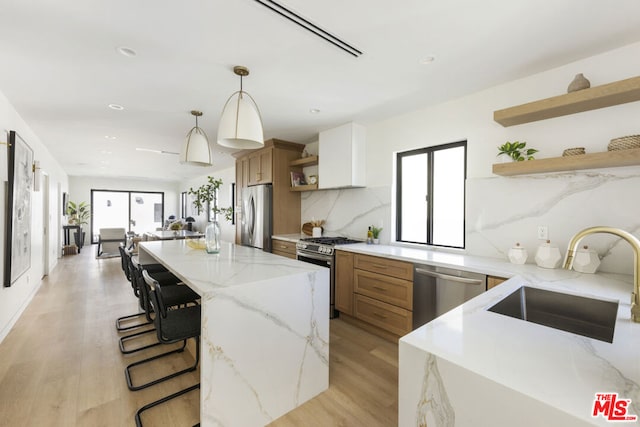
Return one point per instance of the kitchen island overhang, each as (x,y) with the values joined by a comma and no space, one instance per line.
(265,329)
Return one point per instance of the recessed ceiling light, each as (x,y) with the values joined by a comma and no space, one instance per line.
(105,152)
(116,107)
(427,60)
(127,51)
(109,137)
(314,110)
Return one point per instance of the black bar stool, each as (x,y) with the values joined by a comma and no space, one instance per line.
(172,325)
(125,261)
(174,295)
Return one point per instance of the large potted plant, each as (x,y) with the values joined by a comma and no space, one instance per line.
(207,196)
(79,214)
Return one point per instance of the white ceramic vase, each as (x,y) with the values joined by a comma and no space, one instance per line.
(517,254)
(586,260)
(548,256)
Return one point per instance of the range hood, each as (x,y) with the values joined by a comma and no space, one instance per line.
(342,157)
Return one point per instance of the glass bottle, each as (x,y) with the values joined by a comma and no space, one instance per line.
(212,237)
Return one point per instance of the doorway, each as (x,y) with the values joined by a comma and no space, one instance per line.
(135,211)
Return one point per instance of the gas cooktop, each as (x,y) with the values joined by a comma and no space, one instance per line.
(331,240)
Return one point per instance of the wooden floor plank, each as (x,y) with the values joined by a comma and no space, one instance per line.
(61,366)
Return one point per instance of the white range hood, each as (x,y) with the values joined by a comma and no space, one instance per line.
(342,158)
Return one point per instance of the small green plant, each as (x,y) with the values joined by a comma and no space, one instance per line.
(375,231)
(208,194)
(79,213)
(516,150)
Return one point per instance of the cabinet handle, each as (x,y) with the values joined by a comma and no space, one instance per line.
(380,315)
(381,266)
(380,288)
(283,246)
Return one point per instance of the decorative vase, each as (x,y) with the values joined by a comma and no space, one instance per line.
(505,158)
(579,82)
(586,260)
(548,256)
(376,241)
(212,237)
(518,254)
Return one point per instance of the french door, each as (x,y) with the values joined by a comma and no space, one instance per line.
(135,211)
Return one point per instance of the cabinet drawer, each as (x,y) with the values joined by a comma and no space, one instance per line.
(384,288)
(388,267)
(385,316)
(283,246)
(284,254)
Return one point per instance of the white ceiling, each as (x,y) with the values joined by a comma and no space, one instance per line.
(61,68)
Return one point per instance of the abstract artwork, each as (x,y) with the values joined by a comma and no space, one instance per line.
(18,209)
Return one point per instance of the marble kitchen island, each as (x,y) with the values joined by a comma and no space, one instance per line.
(265,329)
(472,367)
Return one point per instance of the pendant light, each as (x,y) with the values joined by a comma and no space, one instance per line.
(240,124)
(196,149)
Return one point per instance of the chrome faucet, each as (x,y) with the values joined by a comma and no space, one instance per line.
(635,244)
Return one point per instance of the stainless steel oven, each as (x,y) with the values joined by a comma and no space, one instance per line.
(320,251)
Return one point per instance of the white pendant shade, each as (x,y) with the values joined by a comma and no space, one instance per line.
(240,124)
(196,149)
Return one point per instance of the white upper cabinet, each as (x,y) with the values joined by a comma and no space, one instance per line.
(341,153)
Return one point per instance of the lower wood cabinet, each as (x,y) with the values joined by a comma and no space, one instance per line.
(375,290)
(283,248)
(384,288)
(385,316)
(493,281)
(344,282)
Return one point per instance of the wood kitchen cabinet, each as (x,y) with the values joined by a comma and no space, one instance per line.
(260,167)
(283,248)
(376,291)
(493,281)
(344,282)
(270,165)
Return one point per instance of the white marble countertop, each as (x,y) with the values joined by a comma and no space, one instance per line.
(561,369)
(235,265)
(290,237)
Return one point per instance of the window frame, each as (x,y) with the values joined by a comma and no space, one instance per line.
(429,197)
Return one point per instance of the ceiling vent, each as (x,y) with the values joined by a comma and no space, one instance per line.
(309,26)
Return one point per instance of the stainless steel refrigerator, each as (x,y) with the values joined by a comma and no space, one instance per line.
(256,222)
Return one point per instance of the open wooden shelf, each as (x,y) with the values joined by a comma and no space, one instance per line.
(305,161)
(304,187)
(608,159)
(616,93)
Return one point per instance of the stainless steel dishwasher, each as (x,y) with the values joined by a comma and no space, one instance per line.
(437,290)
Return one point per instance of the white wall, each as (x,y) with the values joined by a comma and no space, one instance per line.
(228,176)
(13,300)
(502,210)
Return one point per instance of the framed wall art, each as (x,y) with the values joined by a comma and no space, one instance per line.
(18,209)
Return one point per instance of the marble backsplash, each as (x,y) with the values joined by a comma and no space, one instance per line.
(504,210)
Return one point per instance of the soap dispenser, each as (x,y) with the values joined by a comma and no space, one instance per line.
(517,254)
(548,256)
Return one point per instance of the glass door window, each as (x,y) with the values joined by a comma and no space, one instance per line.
(138,212)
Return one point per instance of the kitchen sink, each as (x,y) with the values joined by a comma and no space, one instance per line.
(584,316)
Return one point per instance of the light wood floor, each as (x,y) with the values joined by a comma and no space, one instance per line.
(61,365)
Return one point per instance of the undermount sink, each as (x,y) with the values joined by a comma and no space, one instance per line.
(584,316)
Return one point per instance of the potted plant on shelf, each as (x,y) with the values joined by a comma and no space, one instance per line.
(516,151)
(207,195)
(79,214)
(376,234)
